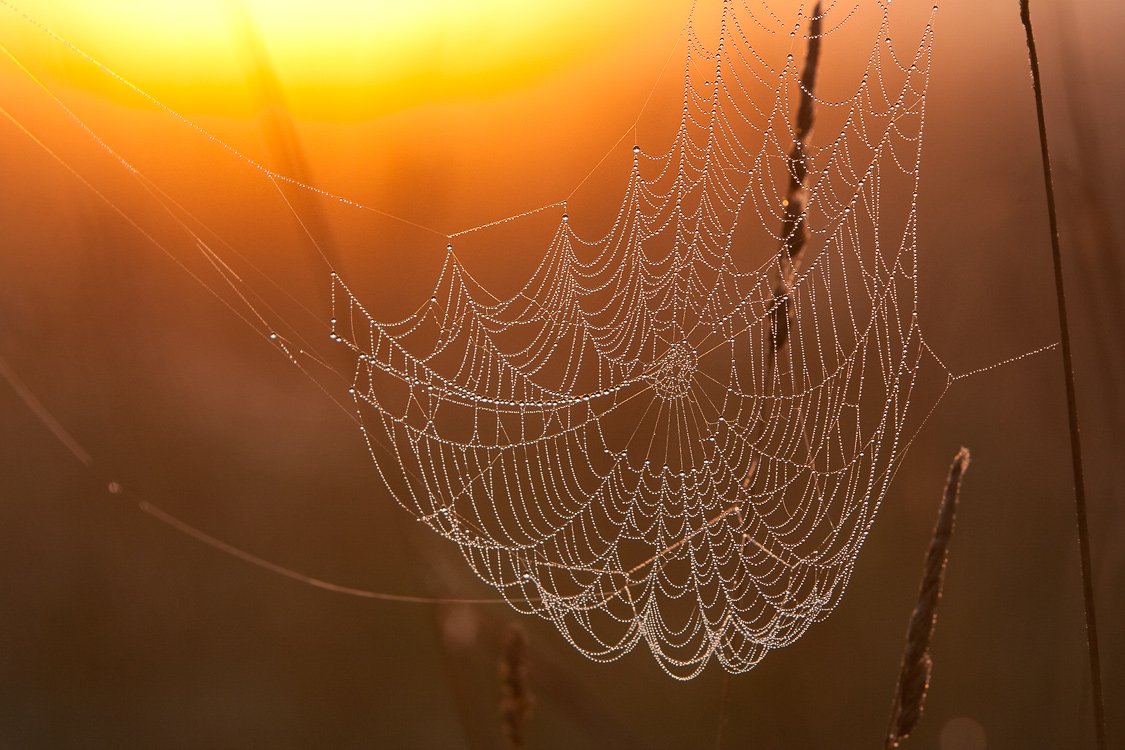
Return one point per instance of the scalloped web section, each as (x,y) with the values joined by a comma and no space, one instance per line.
(625,446)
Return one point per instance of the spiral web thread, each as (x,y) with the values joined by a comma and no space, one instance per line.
(623,447)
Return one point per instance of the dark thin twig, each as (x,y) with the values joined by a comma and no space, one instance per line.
(914,676)
(1071,395)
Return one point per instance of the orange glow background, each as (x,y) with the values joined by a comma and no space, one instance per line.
(120,632)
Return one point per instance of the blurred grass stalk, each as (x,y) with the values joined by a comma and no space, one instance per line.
(1093,237)
(283,141)
(1071,395)
(515,701)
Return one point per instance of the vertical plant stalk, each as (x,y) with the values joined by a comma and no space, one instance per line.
(914,676)
(1071,395)
(283,140)
(515,701)
(794,230)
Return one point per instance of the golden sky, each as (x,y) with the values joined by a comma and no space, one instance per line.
(336,58)
(388,100)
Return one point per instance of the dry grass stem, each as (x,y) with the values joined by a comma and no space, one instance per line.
(794,231)
(914,676)
(1071,392)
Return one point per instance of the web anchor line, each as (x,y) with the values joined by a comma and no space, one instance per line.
(80,454)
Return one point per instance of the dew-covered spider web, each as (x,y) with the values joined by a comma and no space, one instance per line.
(678,426)
(679,431)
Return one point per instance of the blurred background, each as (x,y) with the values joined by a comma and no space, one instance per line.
(119,631)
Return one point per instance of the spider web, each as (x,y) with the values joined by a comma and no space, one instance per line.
(659,437)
